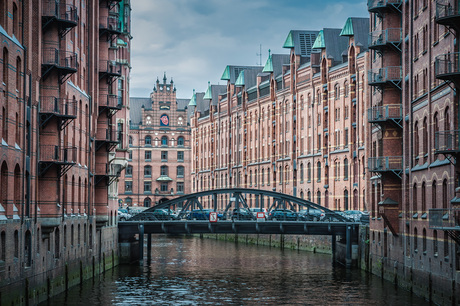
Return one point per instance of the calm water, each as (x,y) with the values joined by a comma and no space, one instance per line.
(193,271)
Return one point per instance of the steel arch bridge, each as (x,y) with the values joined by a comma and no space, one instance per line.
(235,200)
(234,217)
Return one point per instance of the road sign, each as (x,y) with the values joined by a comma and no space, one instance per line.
(213,216)
(260,216)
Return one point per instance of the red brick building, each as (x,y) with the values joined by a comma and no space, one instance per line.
(413,145)
(296,125)
(159,148)
(64,89)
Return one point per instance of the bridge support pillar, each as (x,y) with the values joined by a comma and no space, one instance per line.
(348,248)
(149,248)
(141,244)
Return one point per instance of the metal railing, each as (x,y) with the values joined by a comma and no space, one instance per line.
(109,100)
(110,67)
(60,10)
(447,141)
(447,64)
(387,74)
(385,163)
(385,112)
(440,218)
(112,23)
(60,58)
(54,153)
(104,134)
(447,9)
(373,4)
(60,106)
(383,37)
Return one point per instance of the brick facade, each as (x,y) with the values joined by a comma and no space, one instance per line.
(64,74)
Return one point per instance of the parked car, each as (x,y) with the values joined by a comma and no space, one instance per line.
(285,215)
(242,214)
(198,214)
(312,214)
(161,214)
(258,210)
(123,214)
(357,216)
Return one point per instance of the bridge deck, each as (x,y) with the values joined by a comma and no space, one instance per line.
(235,227)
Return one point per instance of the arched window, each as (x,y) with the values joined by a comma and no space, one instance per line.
(444,194)
(147,202)
(318,197)
(148,170)
(337,91)
(433,195)
(425,137)
(164,141)
(345,88)
(345,199)
(423,198)
(345,169)
(180,141)
(309,172)
(301,173)
(414,198)
(148,140)
(309,195)
(318,165)
(416,140)
(130,141)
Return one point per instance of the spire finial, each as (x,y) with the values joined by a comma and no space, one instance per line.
(269,51)
(164,78)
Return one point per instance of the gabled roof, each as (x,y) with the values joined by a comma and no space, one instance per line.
(301,41)
(193,99)
(319,42)
(208,94)
(334,44)
(231,73)
(269,64)
(347,28)
(240,80)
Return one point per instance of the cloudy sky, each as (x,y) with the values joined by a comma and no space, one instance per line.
(194,40)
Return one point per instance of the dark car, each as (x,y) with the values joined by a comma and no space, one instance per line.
(198,214)
(160,214)
(284,215)
(242,214)
(357,215)
(312,214)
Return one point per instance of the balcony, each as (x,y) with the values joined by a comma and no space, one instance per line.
(110,103)
(383,164)
(385,113)
(65,63)
(386,39)
(383,6)
(55,155)
(447,142)
(448,13)
(103,173)
(64,15)
(447,67)
(446,219)
(109,69)
(106,137)
(64,110)
(110,25)
(388,76)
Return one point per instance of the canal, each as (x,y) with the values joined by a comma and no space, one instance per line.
(194,271)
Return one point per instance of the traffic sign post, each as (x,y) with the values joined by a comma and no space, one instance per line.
(213,216)
(260,216)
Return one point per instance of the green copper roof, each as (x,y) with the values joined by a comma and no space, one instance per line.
(193,99)
(347,28)
(208,94)
(289,43)
(240,80)
(164,178)
(319,42)
(269,64)
(226,75)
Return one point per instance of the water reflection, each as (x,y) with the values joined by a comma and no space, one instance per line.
(193,271)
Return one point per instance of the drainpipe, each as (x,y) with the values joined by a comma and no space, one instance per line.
(90,108)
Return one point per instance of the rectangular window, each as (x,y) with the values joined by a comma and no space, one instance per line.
(147,186)
(180,156)
(128,186)
(164,187)
(164,156)
(148,155)
(130,155)
(180,187)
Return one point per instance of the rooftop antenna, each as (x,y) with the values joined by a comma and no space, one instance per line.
(259,55)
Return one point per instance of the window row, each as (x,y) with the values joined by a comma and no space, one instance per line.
(164,142)
(164,170)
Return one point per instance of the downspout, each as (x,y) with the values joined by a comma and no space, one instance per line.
(90,108)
